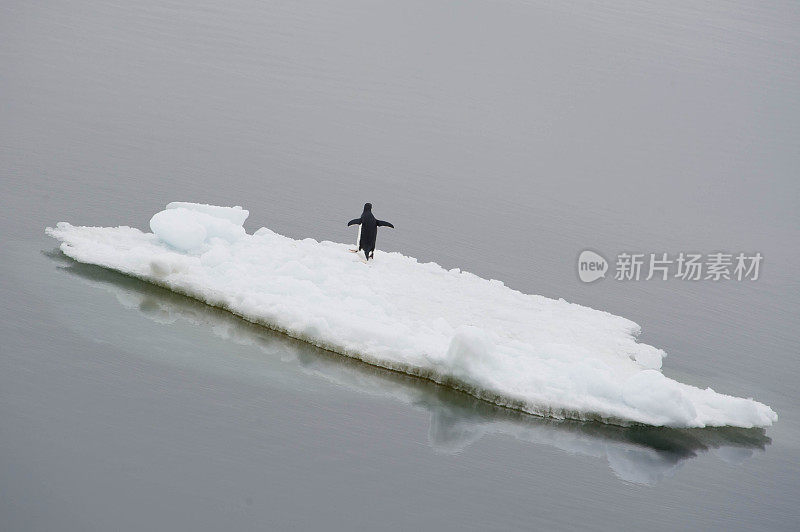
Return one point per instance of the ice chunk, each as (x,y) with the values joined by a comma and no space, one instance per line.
(540,355)
(179,231)
(187,229)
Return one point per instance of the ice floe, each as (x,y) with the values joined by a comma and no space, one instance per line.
(539,355)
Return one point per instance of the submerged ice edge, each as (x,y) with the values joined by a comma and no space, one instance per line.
(144,256)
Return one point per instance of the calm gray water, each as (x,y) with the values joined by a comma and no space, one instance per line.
(503,137)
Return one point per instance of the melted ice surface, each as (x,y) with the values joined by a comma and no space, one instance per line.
(540,355)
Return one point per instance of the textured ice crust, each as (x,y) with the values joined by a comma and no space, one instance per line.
(540,355)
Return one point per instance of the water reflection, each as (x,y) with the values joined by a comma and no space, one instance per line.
(642,455)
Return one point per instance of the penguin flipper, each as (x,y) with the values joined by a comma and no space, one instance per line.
(354,222)
(381,223)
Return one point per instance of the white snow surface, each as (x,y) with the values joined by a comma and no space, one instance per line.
(235,215)
(540,355)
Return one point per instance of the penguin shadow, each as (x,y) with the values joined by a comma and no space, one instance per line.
(638,454)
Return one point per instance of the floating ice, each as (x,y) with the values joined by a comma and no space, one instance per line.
(540,355)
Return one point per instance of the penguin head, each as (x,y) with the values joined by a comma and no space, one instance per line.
(368,207)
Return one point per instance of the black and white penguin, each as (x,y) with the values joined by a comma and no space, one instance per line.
(367,230)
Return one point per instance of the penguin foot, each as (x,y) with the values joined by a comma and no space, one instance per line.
(353,250)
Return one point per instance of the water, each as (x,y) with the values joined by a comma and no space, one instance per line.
(500,137)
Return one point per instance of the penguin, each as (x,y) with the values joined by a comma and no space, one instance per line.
(367,231)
